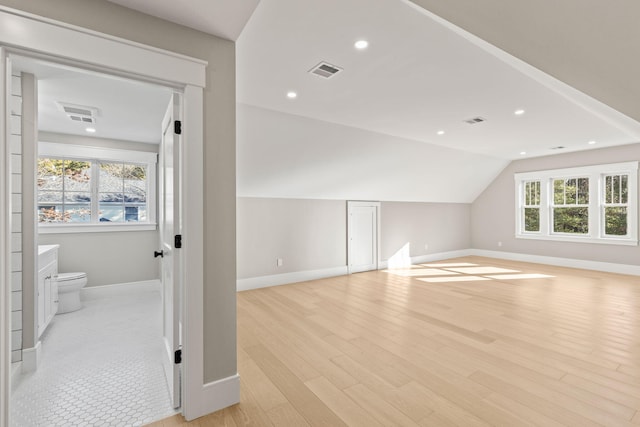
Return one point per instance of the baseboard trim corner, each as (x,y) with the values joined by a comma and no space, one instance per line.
(220,394)
(608,267)
(286,278)
(31,357)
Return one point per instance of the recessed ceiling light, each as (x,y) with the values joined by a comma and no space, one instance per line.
(91,130)
(292,95)
(361,44)
(518,112)
(440,132)
(591,142)
(523,153)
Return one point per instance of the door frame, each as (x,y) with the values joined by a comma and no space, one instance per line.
(356,203)
(34,36)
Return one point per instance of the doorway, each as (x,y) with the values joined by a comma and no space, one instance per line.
(84,48)
(362,235)
(94,234)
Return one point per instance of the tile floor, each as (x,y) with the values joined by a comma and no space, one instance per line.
(101,366)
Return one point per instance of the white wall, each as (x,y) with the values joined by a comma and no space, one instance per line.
(493,213)
(107,258)
(306,234)
(443,227)
(312,234)
(285,156)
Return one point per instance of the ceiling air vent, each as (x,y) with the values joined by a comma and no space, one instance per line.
(79,113)
(326,70)
(475,120)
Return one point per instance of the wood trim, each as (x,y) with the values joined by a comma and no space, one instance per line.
(562,262)
(58,39)
(5,244)
(88,49)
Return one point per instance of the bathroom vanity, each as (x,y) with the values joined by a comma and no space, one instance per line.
(47,285)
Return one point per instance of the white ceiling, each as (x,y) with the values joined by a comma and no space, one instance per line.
(223,18)
(417,77)
(127,110)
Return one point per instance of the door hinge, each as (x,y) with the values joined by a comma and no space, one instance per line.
(177,357)
(177,127)
(177,241)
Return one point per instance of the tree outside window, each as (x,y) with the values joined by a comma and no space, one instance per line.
(531,206)
(616,199)
(571,205)
(90,191)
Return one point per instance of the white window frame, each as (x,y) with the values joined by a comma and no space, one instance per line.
(524,205)
(596,175)
(97,154)
(553,205)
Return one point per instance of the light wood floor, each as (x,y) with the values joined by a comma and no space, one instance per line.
(390,348)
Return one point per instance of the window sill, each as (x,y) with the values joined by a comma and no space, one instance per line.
(93,228)
(579,239)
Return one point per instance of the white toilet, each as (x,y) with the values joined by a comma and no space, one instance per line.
(69,285)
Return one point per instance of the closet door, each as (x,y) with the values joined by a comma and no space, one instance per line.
(362,236)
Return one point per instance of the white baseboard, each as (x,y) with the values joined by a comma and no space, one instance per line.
(31,357)
(120,289)
(294,277)
(421,259)
(609,267)
(16,371)
(220,394)
(303,276)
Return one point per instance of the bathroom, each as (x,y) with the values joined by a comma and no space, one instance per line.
(110,240)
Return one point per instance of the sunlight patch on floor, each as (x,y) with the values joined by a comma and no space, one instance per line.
(520,276)
(449,265)
(483,270)
(420,272)
(453,279)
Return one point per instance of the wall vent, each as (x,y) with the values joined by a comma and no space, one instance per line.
(79,113)
(326,70)
(475,120)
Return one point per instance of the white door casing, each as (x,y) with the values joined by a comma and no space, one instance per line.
(170,226)
(31,35)
(5,243)
(362,236)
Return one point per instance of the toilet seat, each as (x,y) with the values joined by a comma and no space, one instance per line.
(69,286)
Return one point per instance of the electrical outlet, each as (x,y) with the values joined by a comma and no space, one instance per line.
(278,262)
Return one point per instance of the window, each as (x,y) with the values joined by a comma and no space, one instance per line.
(596,204)
(615,205)
(531,206)
(571,205)
(94,189)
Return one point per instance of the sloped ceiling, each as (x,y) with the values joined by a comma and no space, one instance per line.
(420,74)
(222,18)
(591,45)
(288,156)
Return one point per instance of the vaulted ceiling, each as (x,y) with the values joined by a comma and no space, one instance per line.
(430,66)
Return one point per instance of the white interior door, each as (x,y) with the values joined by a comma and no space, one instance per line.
(169,220)
(362,239)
